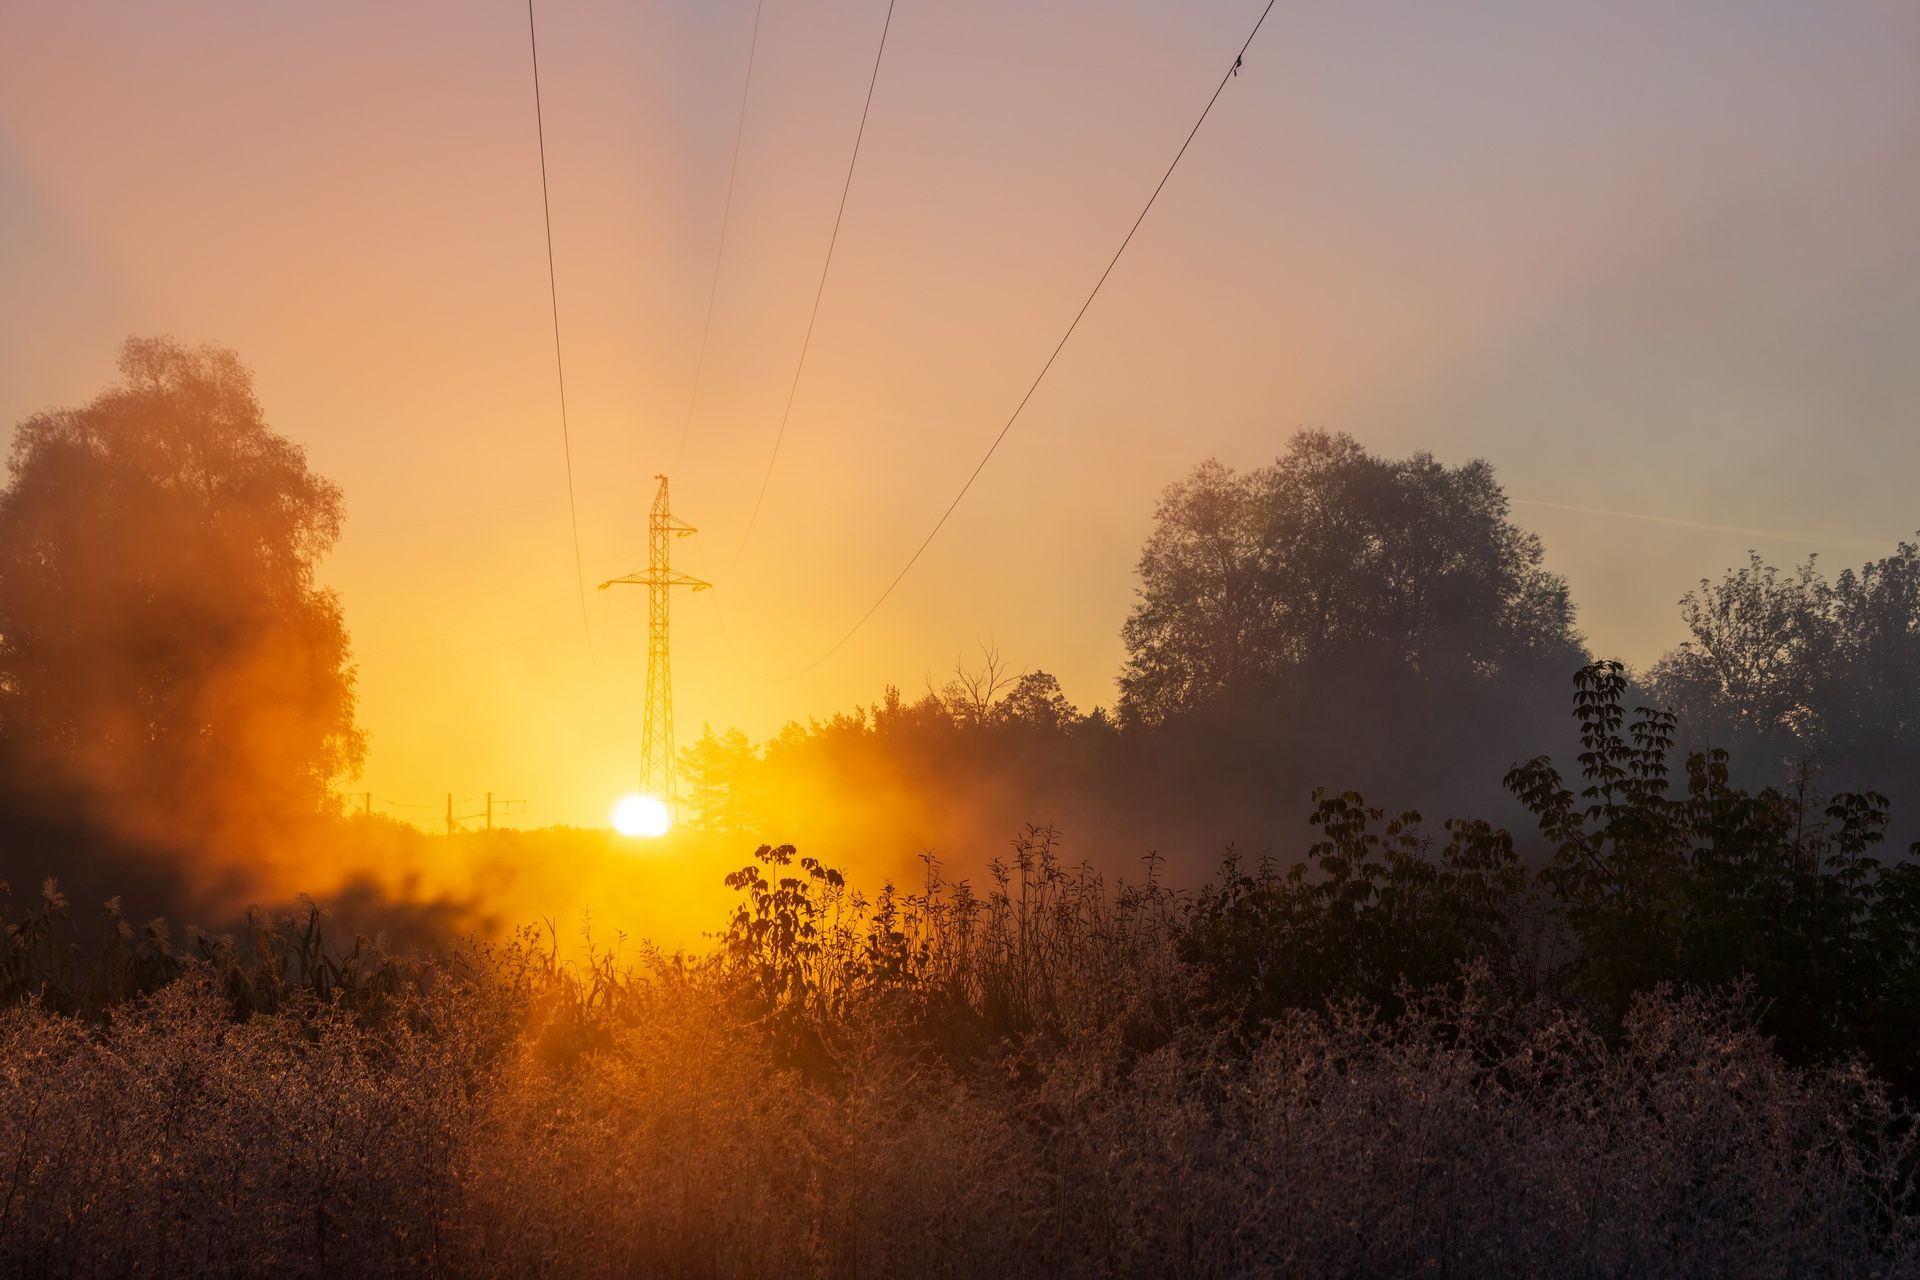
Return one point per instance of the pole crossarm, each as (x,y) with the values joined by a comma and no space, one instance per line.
(648,578)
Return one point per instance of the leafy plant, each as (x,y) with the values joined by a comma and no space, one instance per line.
(1712,884)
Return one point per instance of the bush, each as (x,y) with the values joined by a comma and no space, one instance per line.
(1383,912)
(1717,885)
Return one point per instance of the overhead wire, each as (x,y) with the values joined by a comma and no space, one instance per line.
(559,365)
(806,342)
(720,254)
(1034,386)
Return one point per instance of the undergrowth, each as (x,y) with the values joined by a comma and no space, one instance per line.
(1406,1056)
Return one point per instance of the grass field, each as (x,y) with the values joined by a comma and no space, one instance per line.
(1034,1081)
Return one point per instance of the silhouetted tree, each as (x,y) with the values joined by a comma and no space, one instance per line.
(1036,701)
(1877,625)
(1200,626)
(1333,556)
(1789,664)
(971,696)
(1758,643)
(165,653)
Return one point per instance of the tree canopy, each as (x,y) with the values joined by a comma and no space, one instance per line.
(1333,557)
(1796,664)
(165,652)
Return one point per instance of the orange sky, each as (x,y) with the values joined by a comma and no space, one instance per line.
(1646,261)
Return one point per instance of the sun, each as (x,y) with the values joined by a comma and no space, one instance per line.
(638,815)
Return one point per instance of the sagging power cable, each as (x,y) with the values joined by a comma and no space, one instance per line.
(559,364)
(720,254)
(819,289)
(1233,69)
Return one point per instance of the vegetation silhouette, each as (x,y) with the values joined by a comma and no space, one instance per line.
(1371,1066)
(1335,557)
(1334,615)
(169,669)
(1790,667)
(1665,1029)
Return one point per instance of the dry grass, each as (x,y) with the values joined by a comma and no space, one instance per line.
(1022,1084)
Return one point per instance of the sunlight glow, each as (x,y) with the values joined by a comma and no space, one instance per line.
(638,815)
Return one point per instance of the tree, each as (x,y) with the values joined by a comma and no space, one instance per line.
(1794,664)
(1199,626)
(1758,641)
(1037,702)
(1877,625)
(973,693)
(166,657)
(722,770)
(1330,557)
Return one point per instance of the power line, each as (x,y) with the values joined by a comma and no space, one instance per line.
(818,291)
(559,366)
(720,255)
(980,466)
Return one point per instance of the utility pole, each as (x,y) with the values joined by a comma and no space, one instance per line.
(489,810)
(451,825)
(656,731)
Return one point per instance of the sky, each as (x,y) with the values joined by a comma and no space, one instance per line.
(1656,262)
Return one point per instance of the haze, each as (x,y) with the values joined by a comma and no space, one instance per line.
(1652,261)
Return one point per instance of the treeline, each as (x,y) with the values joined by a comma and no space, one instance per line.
(177,699)
(1789,666)
(1336,617)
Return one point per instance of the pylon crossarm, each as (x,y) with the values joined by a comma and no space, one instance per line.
(650,578)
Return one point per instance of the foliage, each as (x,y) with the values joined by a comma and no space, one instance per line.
(1356,1066)
(891,772)
(279,962)
(948,965)
(1383,912)
(1368,1062)
(775,950)
(1333,556)
(1758,642)
(529,1117)
(164,649)
(1790,664)
(1716,885)
(719,769)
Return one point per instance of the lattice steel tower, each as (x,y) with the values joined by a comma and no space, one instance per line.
(656,732)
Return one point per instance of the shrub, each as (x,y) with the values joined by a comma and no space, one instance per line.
(1716,885)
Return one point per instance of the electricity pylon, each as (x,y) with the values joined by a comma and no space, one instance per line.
(656,732)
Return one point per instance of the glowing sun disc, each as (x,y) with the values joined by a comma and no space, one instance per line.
(641,816)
